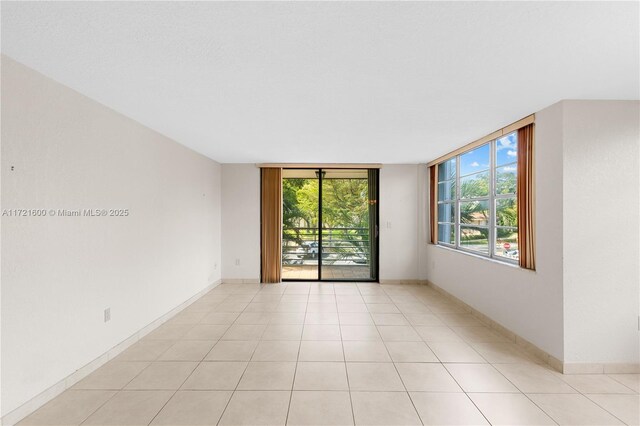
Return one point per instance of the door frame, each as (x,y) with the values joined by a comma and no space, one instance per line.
(377,228)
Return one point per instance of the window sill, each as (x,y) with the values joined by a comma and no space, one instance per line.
(488,259)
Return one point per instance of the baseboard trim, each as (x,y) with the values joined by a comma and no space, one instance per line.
(529,347)
(47,395)
(556,364)
(241,281)
(400,282)
(600,368)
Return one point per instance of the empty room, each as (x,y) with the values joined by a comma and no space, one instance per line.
(320,213)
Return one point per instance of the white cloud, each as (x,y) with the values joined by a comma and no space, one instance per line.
(509,169)
(506,142)
(511,153)
(475,164)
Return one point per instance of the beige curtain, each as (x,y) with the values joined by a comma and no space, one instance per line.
(433,203)
(526,206)
(271,225)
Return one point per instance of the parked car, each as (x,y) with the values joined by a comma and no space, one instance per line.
(308,248)
(292,259)
(512,254)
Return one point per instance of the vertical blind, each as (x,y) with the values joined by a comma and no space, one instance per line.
(271,225)
(526,225)
(433,203)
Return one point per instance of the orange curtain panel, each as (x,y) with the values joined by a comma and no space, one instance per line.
(271,225)
(433,204)
(526,206)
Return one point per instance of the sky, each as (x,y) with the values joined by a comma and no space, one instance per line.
(478,159)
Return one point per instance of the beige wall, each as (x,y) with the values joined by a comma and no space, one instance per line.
(60,273)
(241,218)
(601,247)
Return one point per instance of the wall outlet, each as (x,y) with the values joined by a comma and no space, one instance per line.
(237,262)
(215,266)
(389,224)
(107,315)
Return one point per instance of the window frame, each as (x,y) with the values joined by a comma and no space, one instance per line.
(491,199)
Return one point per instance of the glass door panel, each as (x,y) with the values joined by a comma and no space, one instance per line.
(330,224)
(349,227)
(300,224)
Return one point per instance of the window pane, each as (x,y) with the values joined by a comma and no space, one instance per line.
(447,212)
(447,190)
(474,186)
(506,179)
(507,149)
(447,170)
(474,161)
(476,239)
(475,212)
(507,243)
(447,233)
(507,212)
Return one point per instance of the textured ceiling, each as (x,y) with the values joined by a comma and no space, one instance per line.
(394,82)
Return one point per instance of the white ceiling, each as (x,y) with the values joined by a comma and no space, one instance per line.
(393,82)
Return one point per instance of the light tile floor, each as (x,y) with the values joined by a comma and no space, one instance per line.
(334,353)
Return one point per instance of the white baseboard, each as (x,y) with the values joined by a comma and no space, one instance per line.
(399,282)
(241,280)
(600,368)
(47,395)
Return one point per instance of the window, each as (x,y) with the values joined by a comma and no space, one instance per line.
(477,204)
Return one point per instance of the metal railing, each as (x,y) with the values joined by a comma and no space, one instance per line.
(340,246)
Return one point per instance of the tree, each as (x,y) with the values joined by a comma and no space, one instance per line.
(291,212)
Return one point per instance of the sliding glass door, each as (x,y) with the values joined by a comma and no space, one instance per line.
(330,224)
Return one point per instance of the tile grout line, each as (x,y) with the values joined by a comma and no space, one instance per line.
(344,357)
(454,379)
(618,381)
(594,402)
(420,299)
(245,368)
(117,391)
(141,371)
(395,367)
(190,374)
(295,371)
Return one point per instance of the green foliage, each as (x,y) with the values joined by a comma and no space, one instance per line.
(291,211)
(345,205)
(506,209)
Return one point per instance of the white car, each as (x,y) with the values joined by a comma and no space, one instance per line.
(308,248)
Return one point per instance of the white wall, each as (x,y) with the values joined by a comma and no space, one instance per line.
(601,254)
(529,303)
(60,273)
(399,222)
(241,218)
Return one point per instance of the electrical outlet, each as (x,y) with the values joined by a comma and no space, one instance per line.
(389,224)
(237,262)
(215,266)
(107,315)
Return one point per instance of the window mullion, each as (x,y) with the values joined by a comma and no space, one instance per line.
(458,194)
(492,199)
